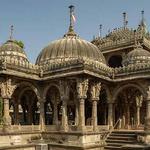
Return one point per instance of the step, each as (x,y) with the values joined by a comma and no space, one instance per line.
(121,138)
(120,141)
(111,147)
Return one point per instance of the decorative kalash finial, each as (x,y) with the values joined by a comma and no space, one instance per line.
(100,30)
(11,32)
(125,22)
(72,21)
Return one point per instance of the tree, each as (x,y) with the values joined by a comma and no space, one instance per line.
(19,43)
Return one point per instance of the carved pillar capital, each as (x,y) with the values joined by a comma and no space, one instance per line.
(95,90)
(7,88)
(82,88)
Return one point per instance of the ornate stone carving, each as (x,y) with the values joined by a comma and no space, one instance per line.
(82,87)
(95,90)
(7,88)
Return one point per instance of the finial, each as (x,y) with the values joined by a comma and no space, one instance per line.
(142,20)
(100,30)
(11,32)
(125,22)
(72,17)
(72,20)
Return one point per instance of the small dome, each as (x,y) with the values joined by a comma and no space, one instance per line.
(138,55)
(68,47)
(12,50)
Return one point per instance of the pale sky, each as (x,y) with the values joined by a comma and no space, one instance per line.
(38,22)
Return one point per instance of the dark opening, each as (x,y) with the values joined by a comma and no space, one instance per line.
(115,61)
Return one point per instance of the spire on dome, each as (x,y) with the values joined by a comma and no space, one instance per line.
(72,21)
(11,32)
(100,30)
(142,25)
(125,21)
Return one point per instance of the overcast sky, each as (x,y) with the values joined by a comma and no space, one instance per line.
(38,22)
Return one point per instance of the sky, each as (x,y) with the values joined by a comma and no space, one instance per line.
(38,22)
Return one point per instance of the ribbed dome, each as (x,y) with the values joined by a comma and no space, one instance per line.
(70,46)
(12,50)
(138,55)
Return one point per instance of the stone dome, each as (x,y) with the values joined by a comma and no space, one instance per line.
(10,49)
(138,55)
(69,47)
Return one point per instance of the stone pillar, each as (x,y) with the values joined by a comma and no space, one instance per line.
(7,118)
(95,93)
(81,114)
(55,115)
(16,111)
(64,92)
(110,115)
(42,116)
(94,114)
(147,121)
(7,89)
(64,115)
(77,114)
(82,87)
(139,100)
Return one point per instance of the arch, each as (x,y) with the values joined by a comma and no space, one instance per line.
(115,61)
(121,87)
(32,86)
(48,87)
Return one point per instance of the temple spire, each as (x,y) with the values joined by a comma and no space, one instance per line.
(11,32)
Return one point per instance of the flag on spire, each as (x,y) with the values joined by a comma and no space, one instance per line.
(73,18)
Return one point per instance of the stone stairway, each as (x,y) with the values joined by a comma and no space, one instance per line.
(117,139)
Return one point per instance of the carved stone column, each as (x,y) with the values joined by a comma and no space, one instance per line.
(42,115)
(7,89)
(55,115)
(82,87)
(95,92)
(147,121)
(16,111)
(139,100)
(110,114)
(64,91)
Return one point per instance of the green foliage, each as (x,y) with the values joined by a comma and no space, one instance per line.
(19,43)
(1,110)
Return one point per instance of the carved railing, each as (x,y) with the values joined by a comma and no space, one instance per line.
(132,68)
(25,128)
(24,66)
(57,64)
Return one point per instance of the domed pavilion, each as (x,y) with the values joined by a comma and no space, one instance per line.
(78,94)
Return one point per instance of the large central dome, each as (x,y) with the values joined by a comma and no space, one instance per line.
(68,47)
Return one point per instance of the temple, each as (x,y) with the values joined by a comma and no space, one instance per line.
(79,94)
